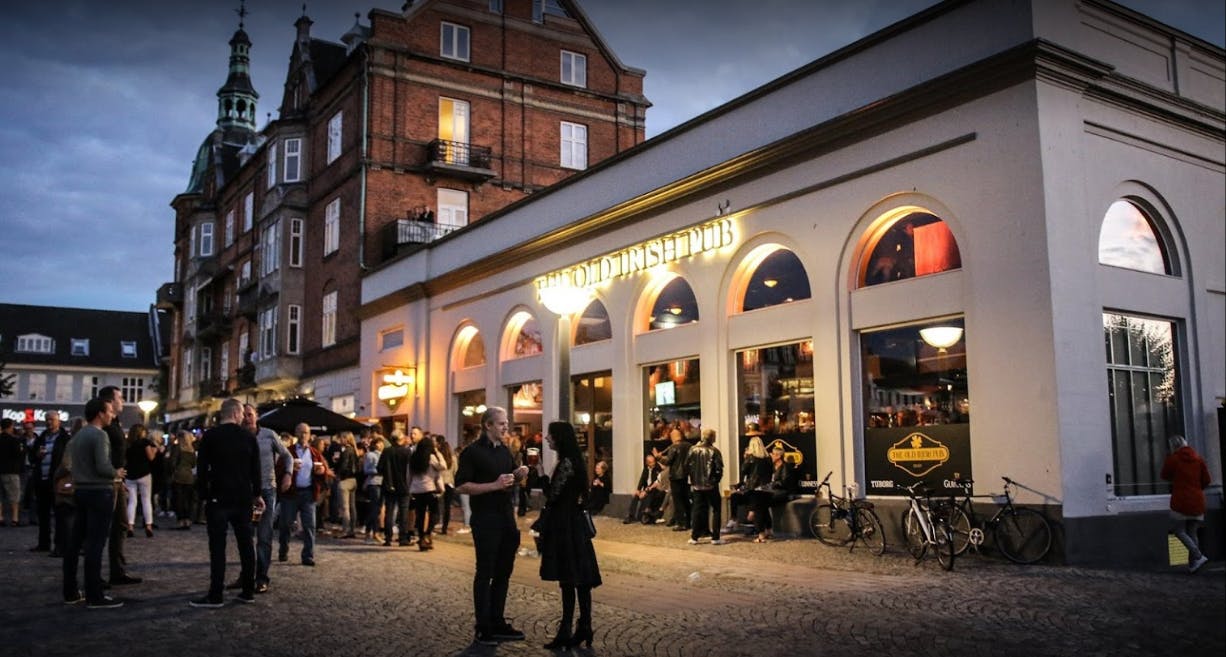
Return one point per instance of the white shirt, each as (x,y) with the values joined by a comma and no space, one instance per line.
(303,478)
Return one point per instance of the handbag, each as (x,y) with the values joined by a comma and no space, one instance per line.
(588,525)
(63,484)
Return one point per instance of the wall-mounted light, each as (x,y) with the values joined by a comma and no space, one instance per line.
(396,386)
(770,282)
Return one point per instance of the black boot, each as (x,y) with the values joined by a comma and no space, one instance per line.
(583,633)
(561,640)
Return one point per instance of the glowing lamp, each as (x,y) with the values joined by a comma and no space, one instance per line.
(941,337)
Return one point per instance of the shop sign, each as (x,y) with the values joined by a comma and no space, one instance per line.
(901,456)
(708,236)
(36,415)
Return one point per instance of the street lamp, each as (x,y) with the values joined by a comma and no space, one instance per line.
(564,301)
(146,406)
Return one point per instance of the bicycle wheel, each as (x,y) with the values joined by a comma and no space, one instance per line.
(944,544)
(1023,535)
(870,531)
(913,533)
(828,527)
(960,525)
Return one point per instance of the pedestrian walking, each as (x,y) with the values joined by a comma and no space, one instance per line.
(1189,477)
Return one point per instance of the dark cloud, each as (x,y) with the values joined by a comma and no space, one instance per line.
(104,104)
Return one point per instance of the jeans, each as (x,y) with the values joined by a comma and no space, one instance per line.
(396,512)
(1185,530)
(707,503)
(466,509)
(119,533)
(347,503)
(95,510)
(495,547)
(374,499)
(300,503)
(263,536)
(219,517)
(140,489)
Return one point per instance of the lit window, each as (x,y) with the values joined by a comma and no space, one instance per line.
(574,145)
(525,335)
(454,41)
(574,69)
(1128,239)
(334,136)
(329,319)
(472,345)
(452,207)
(917,244)
(127,348)
(674,306)
(293,160)
(332,226)
(79,346)
(594,324)
(778,278)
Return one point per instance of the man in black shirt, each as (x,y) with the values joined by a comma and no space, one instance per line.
(487,473)
(228,481)
(45,458)
(119,523)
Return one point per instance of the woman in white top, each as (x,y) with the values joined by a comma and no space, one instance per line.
(425,483)
(451,464)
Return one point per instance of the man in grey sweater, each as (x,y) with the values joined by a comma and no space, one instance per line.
(93,478)
(272,453)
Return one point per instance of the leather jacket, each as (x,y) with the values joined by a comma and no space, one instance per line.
(705,466)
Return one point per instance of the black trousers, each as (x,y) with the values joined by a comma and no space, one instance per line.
(64,517)
(495,547)
(682,508)
(425,507)
(647,507)
(119,533)
(95,511)
(218,518)
(43,500)
(707,503)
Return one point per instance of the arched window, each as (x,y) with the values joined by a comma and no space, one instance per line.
(915,244)
(593,325)
(779,278)
(1129,239)
(469,348)
(523,335)
(674,306)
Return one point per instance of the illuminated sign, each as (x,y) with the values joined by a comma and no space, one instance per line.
(709,236)
(31,414)
(918,454)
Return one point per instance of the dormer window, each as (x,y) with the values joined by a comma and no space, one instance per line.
(34,343)
(454,42)
(127,349)
(80,347)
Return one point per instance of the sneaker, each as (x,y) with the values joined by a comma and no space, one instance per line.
(504,632)
(464,530)
(261,587)
(692,541)
(718,541)
(485,638)
(106,602)
(1196,565)
(206,603)
(246,598)
(80,597)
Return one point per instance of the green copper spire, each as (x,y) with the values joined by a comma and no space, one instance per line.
(236,99)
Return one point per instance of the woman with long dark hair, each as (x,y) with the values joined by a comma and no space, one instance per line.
(567,556)
(425,483)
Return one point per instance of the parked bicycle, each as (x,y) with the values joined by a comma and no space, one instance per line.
(846,521)
(925,525)
(1023,535)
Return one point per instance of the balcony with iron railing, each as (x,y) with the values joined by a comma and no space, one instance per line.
(213,325)
(405,234)
(457,159)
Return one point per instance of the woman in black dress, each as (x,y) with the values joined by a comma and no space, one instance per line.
(567,556)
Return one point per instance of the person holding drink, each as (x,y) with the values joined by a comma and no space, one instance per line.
(487,473)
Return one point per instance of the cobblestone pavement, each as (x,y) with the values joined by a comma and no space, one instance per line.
(660,597)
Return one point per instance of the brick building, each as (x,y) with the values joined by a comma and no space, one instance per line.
(412,127)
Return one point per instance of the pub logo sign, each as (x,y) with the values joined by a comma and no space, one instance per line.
(917,454)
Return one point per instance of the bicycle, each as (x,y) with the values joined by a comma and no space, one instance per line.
(926,525)
(844,521)
(1023,535)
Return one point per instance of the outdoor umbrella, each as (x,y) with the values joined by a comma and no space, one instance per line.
(290,413)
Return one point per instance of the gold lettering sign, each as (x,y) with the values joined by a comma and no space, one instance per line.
(712,235)
(917,454)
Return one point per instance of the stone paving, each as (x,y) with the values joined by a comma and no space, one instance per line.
(660,597)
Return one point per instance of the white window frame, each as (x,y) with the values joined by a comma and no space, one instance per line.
(452,207)
(295,242)
(229,228)
(244,272)
(78,346)
(458,37)
(574,145)
(36,386)
(293,160)
(383,338)
(270,249)
(223,370)
(272,165)
(336,126)
(64,384)
(573,69)
(206,364)
(187,369)
(293,329)
(248,211)
(206,239)
(244,346)
(33,343)
(268,332)
(332,226)
(328,328)
(127,348)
